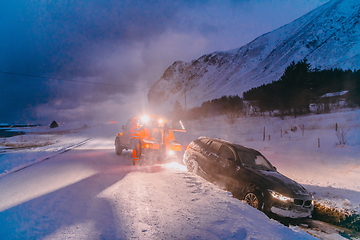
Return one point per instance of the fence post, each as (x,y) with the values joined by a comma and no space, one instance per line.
(281,133)
(318,142)
(264,135)
(336,127)
(303,128)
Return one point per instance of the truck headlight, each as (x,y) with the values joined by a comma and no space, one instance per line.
(280,196)
(145,119)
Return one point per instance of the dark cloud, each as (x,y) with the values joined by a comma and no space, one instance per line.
(61,39)
(125,43)
(63,35)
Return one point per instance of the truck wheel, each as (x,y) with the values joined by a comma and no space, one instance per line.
(118,148)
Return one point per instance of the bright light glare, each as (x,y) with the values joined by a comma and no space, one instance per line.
(171,153)
(145,119)
(161,121)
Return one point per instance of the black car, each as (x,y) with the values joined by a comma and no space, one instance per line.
(249,176)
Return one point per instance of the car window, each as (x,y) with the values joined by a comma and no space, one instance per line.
(227,153)
(199,145)
(215,147)
(255,160)
(204,140)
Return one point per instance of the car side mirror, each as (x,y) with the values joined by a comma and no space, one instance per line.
(275,168)
(123,127)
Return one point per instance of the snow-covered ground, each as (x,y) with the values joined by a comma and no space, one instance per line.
(91,193)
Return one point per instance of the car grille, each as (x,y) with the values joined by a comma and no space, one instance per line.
(307,203)
(301,202)
(298,202)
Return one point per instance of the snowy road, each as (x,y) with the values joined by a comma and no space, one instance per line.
(90,193)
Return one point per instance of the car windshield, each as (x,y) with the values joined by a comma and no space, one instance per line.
(255,160)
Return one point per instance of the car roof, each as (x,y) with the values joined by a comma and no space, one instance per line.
(234,145)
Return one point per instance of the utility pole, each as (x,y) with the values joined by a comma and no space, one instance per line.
(185,99)
(185,109)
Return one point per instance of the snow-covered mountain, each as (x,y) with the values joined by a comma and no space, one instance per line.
(329,37)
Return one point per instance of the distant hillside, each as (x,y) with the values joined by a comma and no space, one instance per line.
(329,37)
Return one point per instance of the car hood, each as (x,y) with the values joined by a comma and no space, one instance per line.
(276,181)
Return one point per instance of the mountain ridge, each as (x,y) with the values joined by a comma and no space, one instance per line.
(328,36)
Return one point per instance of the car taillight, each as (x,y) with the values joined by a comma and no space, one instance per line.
(147,145)
(188,146)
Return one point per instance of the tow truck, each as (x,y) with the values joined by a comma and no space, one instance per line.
(151,138)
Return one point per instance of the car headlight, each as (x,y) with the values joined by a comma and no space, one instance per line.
(280,196)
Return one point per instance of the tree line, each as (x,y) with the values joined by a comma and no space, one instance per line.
(300,85)
(232,105)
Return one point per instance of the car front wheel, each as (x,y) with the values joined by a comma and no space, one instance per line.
(254,199)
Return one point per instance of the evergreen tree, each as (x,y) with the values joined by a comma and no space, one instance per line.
(297,81)
(353,96)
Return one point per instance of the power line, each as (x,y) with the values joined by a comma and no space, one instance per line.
(66,79)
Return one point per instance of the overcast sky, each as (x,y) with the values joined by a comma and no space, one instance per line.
(125,44)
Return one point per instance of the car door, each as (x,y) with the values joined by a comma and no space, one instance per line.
(212,158)
(201,148)
(204,156)
(229,168)
(246,176)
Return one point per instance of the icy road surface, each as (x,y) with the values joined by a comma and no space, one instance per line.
(91,193)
